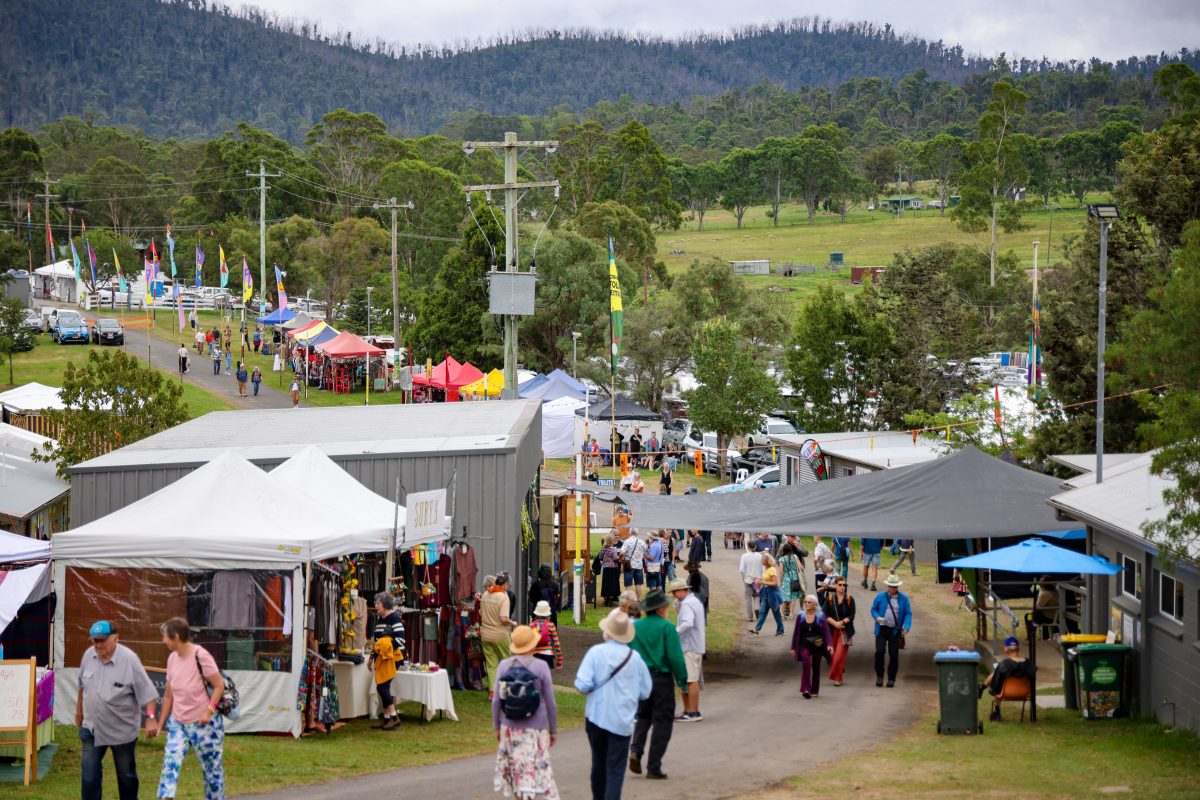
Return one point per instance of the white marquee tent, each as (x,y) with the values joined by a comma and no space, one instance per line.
(227,515)
(558,427)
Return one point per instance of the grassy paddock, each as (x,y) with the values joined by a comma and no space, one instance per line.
(47,361)
(263,763)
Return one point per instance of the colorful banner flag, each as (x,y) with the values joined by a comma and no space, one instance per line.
(120,273)
(171,249)
(87,249)
(75,260)
(247,282)
(149,267)
(199,266)
(224,267)
(616,309)
(50,242)
(279,288)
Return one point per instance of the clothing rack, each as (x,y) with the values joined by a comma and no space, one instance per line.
(319,657)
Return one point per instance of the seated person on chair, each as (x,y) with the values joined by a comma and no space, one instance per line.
(1011,666)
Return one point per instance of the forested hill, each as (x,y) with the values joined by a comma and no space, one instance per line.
(187,68)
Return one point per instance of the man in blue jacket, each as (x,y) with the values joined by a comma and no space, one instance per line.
(893,618)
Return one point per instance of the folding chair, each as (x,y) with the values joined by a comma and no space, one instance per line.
(1014,688)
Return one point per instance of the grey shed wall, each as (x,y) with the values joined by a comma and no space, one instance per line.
(1167,659)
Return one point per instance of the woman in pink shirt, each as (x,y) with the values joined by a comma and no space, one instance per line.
(190,712)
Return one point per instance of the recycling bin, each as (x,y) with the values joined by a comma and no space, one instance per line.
(1102,669)
(1070,668)
(958,691)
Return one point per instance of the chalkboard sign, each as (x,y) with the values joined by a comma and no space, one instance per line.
(159,678)
(18,682)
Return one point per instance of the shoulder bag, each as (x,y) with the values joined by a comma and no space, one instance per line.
(230,702)
(899,627)
(620,667)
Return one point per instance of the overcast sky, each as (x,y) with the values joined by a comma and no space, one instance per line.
(1065,29)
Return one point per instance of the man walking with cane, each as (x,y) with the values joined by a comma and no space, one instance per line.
(657,642)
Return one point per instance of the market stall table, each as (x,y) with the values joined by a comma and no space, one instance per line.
(356,687)
(430,689)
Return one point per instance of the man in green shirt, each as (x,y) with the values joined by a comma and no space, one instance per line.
(657,642)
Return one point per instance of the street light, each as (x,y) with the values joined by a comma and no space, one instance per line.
(575,353)
(1104,214)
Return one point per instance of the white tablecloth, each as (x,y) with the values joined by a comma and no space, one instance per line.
(356,687)
(430,689)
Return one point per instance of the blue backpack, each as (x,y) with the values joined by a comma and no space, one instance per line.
(519,696)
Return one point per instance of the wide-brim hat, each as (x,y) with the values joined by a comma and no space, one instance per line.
(654,600)
(893,580)
(542,609)
(524,640)
(618,626)
(676,584)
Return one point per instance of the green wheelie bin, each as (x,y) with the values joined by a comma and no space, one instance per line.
(1070,668)
(1102,671)
(958,691)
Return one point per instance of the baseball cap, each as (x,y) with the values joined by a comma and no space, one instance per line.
(101,630)
(1012,641)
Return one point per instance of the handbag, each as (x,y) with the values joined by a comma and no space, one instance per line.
(228,705)
(899,631)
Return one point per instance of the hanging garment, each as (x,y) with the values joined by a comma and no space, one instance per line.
(287,607)
(239,652)
(273,607)
(233,600)
(359,640)
(465,573)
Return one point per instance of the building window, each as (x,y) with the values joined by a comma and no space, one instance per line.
(1170,597)
(1130,580)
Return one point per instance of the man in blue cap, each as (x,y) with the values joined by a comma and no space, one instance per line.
(1011,666)
(113,689)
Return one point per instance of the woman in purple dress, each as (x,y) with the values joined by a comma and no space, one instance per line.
(811,642)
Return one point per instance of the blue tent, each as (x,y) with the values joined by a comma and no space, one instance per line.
(322,337)
(532,383)
(565,378)
(277,317)
(554,387)
(1038,557)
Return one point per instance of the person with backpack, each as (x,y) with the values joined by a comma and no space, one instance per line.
(549,649)
(615,680)
(525,718)
(195,687)
(842,554)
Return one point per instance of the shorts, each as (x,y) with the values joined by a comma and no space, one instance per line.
(654,580)
(634,577)
(695,666)
(871,559)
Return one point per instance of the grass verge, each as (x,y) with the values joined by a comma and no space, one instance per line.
(264,763)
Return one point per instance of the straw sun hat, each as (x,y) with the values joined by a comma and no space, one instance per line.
(524,640)
(616,625)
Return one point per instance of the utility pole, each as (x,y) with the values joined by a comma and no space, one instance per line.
(504,301)
(45,196)
(392,206)
(262,176)
(369,288)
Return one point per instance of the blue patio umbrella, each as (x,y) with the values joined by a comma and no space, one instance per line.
(1074,535)
(1038,557)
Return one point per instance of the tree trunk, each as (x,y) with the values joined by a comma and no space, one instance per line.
(775,216)
(700,219)
(721,453)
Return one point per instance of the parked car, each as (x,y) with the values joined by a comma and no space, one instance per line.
(763,479)
(110,295)
(768,427)
(107,331)
(68,326)
(934,204)
(33,321)
(675,432)
(754,459)
(706,443)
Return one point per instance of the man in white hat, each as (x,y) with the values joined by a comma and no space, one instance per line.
(690,627)
(615,680)
(893,618)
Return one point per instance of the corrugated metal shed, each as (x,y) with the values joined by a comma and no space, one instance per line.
(490,451)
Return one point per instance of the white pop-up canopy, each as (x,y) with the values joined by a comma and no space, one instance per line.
(14,547)
(226,511)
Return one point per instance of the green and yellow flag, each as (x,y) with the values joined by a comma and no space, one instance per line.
(616,310)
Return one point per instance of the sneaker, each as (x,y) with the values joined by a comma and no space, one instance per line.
(779,633)
(752,630)
(807,695)
(635,765)
(864,583)
(391,724)
(879,681)
(691,716)
(656,776)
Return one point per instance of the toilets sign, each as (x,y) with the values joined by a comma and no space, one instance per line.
(425,515)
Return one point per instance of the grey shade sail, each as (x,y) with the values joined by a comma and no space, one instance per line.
(626,409)
(965,495)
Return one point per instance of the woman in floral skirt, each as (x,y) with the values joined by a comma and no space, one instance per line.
(523,756)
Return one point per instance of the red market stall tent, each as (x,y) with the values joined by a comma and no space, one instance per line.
(450,376)
(347,345)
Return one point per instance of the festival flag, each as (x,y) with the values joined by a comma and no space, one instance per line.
(28,224)
(247,282)
(279,288)
(199,266)
(50,241)
(153,252)
(75,260)
(171,250)
(616,310)
(120,272)
(224,267)
(91,254)
(149,267)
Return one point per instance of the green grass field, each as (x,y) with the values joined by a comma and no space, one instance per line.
(263,763)
(867,238)
(47,361)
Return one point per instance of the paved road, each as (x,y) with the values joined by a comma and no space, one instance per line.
(757,729)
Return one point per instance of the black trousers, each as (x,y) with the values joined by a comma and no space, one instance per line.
(656,711)
(609,752)
(888,639)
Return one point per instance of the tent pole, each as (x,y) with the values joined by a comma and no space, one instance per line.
(612,436)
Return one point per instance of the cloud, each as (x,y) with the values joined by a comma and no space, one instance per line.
(1068,29)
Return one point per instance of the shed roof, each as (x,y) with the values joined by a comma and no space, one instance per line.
(365,431)
(32,396)
(876,449)
(1086,462)
(25,485)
